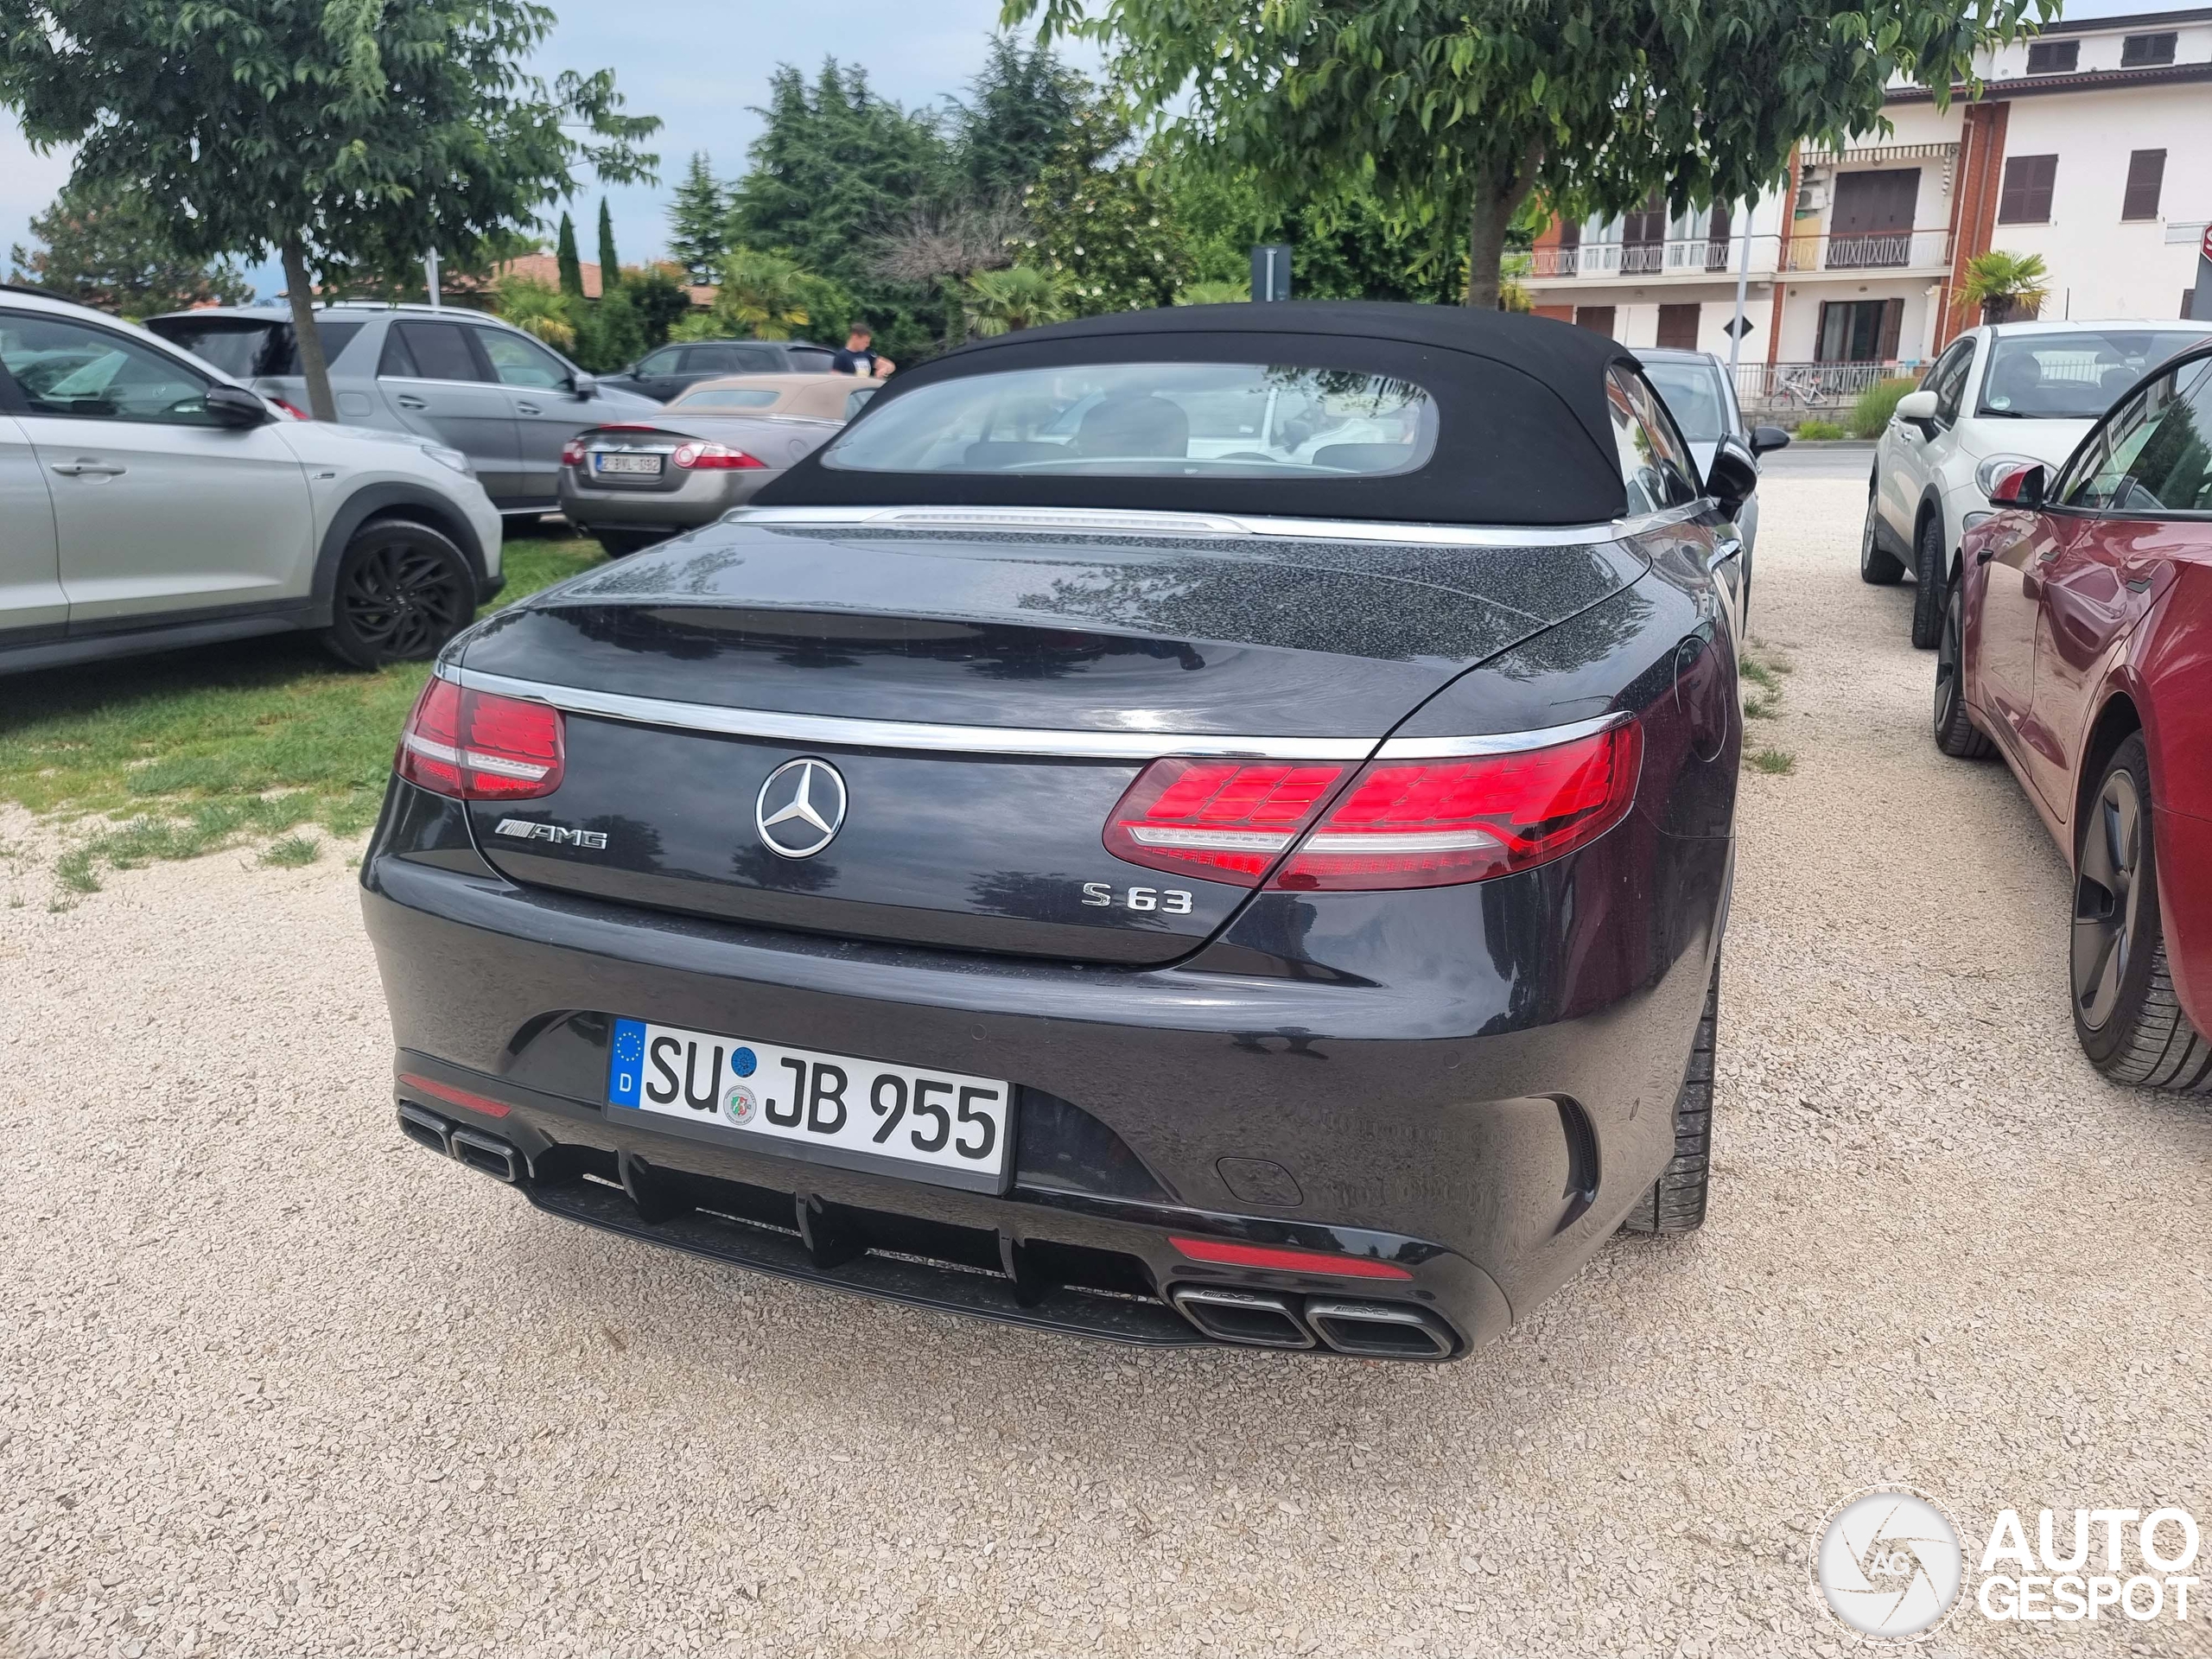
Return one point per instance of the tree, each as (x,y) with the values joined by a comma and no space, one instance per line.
(1455,110)
(765,296)
(1100,221)
(657,294)
(2005,286)
(610,268)
(348,137)
(698,221)
(107,247)
(1020,297)
(533,306)
(571,267)
(1021,112)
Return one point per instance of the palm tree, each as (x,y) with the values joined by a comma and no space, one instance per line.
(763,296)
(539,309)
(1020,297)
(2005,285)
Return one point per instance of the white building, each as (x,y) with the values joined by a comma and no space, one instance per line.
(2090,144)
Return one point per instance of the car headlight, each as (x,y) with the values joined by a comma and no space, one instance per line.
(452,458)
(1973,519)
(1985,476)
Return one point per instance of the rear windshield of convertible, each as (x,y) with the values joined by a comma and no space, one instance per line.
(1149,420)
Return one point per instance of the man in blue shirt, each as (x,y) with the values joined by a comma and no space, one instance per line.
(860,356)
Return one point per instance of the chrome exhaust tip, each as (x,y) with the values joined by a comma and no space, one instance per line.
(494,1157)
(425,1129)
(1381,1330)
(1242,1316)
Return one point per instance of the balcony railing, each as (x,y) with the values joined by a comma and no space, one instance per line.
(1770,254)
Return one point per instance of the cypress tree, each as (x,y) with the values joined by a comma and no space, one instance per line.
(572,270)
(610,268)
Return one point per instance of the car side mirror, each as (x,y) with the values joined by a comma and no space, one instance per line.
(234,406)
(1732,476)
(1917,407)
(2018,486)
(582,385)
(1766,439)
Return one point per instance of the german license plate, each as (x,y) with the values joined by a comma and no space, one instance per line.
(630,465)
(944,1125)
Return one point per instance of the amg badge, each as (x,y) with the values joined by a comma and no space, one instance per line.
(523,829)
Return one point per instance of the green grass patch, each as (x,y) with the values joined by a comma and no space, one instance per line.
(1758,707)
(290,852)
(189,751)
(1820,431)
(1757,672)
(1779,762)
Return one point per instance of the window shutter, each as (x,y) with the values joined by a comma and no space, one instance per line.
(2026,198)
(2054,58)
(1892,325)
(2141,51)
(2146,171)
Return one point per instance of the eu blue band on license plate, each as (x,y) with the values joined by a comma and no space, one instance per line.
(625,1068)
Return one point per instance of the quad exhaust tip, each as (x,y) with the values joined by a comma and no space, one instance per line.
(1243,1317)
(1380,1330)
(488,1153)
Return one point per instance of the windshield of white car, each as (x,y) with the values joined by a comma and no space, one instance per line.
(2075,376)
(1137,419)
(1694,395)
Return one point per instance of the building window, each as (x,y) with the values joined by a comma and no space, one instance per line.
(1599,318)
(2025,199)
(2054,57)
(1678,326)
(2146,170)
(2141,51)
(1860,331)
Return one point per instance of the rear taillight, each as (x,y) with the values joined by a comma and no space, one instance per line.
(1399,823)
(1225,820)
(476,746)
(712,457)
(572,453)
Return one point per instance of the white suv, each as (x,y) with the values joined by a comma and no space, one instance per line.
(1999,395)
(148,502)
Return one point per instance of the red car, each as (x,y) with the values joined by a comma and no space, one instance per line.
(2078,642)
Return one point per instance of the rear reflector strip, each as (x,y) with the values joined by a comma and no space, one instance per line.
(447,1092)
(1226,1255)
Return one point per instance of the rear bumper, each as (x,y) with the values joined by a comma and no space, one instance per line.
(700,499)
(1414,1126)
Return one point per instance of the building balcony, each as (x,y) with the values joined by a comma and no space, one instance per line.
(1701,260)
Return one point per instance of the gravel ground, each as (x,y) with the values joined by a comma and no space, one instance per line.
(273,1381)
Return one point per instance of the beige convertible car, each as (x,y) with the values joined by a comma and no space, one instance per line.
(632,483)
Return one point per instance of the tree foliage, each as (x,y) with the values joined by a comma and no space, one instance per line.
(1100,222)
(1021,110)
(768,296)
(1455,110)
(698,220)
(567,261)
(2005,286)
(348,136)
(109,248)
(610,264)
(1020,297)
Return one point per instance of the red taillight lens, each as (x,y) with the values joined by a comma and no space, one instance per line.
(1264,1255)
(1225,820)
(1425,823)
(292,410)
(572,453)
(476,746)
(714,457)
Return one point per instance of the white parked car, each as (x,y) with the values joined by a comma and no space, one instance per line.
(147,502)
(2000,395)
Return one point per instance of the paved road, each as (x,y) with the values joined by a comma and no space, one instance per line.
(275,1382)
(1817,460)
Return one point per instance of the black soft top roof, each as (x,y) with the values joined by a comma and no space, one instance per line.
(1524,436)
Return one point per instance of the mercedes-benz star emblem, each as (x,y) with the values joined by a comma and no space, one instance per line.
(801,808)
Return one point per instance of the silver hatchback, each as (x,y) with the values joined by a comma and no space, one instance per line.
(503,398)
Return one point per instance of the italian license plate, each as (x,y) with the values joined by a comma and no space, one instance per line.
(942,1125)
(630,465)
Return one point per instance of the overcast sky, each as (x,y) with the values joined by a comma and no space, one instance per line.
(700,67)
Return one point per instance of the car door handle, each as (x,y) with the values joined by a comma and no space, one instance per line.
(528,409)
(406,402)
(85,465)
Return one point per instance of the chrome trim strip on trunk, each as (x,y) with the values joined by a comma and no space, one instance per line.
(1105,521)
(840,731)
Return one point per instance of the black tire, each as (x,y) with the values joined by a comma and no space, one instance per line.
(1876,566)
(402,590)
(1675,1203)
(2130,1023)
(621,543)
(1931,569)
(1955,733)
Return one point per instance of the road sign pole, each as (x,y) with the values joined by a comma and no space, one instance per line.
(1743,276)
(430,276)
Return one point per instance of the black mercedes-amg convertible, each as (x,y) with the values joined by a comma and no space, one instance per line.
(1197,826)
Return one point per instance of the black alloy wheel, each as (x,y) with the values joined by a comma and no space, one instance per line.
(1932,574)
(2130,1023)
(403,591)
(1955,733)
(1876,566)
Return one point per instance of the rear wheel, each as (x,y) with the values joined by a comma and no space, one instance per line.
(1931,569)
(2130,1023)
(1876,566)
(1675,1203)
(403,589)
(1955,733)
